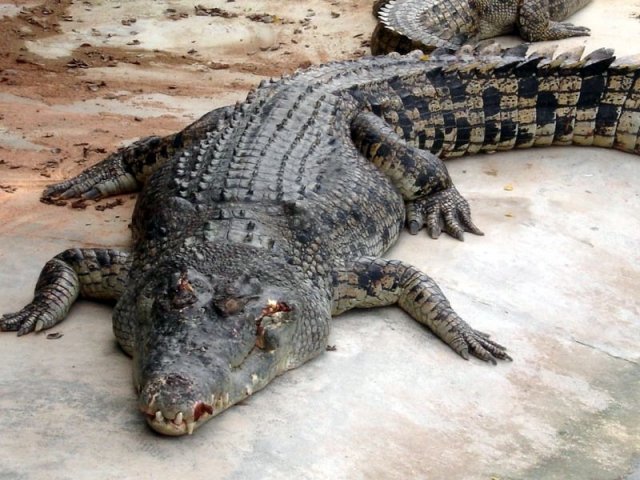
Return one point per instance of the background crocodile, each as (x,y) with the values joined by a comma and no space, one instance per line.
(247,242)
(406,25)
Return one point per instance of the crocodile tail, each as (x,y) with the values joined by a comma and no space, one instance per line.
(432,24)
(617,123)
(515,100)
(587,100)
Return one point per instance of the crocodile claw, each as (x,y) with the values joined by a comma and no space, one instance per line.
(22,322)
(480,346)
(104,179)
(442,211)
(562,30)
(77,187)
(32,318)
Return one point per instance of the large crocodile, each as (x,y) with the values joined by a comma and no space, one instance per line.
(406,25)
(272,216)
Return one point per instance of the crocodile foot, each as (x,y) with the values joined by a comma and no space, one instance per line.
(57,288)
(109,177)
(42,313)
(445,210)
(24,321)
(35,317)
(566,30)
(466,341)
(557,31)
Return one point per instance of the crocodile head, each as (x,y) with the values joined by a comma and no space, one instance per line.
(204,342)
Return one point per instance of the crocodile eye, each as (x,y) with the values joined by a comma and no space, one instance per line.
(232,305)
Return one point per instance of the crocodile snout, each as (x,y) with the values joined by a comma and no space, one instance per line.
(175,404)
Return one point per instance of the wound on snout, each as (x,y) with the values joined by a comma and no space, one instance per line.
(200,409)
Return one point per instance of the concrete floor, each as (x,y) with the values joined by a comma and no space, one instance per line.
(555,279)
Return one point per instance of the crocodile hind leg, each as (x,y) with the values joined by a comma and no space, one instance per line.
(93,273)
(127,169)
(377,282)
(420,176)
(535,23)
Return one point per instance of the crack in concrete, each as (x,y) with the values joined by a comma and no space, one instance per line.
(617,357)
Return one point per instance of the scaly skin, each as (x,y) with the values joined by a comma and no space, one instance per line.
(247,242)
(128,169)
(407,25)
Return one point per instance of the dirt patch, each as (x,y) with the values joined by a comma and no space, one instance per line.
(63,112)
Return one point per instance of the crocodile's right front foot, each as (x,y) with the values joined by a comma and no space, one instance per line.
(445,210)
(56,290)
(36,316)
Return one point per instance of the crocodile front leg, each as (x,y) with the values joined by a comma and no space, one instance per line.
(93,273)
(420,176)
(127,169)
(377,282)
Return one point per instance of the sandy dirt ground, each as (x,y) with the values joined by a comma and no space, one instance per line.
(65,63)
(555,277)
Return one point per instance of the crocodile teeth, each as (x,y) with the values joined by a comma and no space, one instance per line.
(159,416)
(178,418)
(190,427)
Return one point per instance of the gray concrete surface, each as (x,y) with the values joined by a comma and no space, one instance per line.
(555,278)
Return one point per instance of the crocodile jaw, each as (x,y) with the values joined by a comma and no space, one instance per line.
(182,424)
(180,407)
(177,400)
(206,341)
(172,427)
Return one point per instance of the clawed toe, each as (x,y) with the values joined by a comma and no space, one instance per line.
(23,322)
(466,341)
(481,347)
(566,30)
(444,211)
(109,177)
(576,29)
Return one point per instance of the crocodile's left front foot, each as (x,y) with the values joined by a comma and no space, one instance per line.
(376,282)
(466,341)
(557,31)
(106,178)
(535,24)
(445,210)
